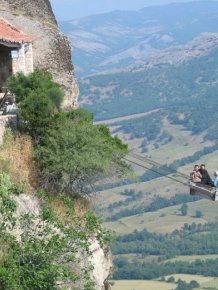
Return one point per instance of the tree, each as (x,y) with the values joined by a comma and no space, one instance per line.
(72,151)
(36,111)
(198,214)
(194,284)
(184,209)
(75,152)
(171,279)
(40,80)
(38,99)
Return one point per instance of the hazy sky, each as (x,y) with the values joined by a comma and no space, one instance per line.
(69,9)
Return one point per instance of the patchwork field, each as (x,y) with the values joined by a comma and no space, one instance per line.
(205,283)
(213,285)
(114,203)
(192,258)
(167,219)
(142,285)
(182,145)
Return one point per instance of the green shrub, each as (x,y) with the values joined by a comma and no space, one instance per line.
(38,98)
(46,254)
(40,80)
(75,152)
(36,111)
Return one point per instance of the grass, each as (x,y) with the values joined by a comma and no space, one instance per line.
(162,221)
(182,145)
(192,258)
(210,285)
(167,219)
(149,189)
(142,285)
(188,278)
(205,283)
(17,160)
(151,258)
(139,257)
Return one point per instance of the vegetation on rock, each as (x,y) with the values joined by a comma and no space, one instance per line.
(71,151)
(64,152)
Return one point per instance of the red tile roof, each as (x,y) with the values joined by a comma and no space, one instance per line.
(9,33)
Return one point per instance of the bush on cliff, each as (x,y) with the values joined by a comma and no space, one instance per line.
(41,81)
(75,152)
(71,151)
(46,254)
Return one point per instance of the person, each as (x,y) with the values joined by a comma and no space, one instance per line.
(216,179)
(196,175)
(206,179)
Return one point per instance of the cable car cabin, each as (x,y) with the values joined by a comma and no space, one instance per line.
(204,191)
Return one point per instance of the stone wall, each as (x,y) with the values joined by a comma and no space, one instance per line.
(24,60)
(7,121)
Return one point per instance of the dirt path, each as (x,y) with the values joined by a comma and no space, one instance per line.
(134,116)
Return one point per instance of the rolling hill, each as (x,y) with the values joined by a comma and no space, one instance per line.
(180,91)
(119,38)
(152,77)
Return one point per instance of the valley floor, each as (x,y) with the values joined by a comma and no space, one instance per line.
(205,283)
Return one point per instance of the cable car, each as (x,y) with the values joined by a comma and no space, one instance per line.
(198,189)
(204,191)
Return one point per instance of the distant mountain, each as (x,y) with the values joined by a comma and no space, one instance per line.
(177,82)
(153,75)
(71,9)
(120,38)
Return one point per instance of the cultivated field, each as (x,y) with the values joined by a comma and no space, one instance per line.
(205,283)
(192,258)
(142,285)
(167,219)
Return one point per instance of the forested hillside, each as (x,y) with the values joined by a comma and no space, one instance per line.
(181,92)
(152,77)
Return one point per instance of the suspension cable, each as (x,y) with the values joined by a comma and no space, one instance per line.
(161,174)
(147,160)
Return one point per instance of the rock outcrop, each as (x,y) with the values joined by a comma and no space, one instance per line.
(51,49)
(100,257)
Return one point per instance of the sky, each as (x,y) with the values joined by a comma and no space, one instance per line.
(72,9)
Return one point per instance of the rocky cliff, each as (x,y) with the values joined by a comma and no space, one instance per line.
(100,258)
(52,49)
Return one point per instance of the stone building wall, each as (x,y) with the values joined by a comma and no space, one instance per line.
(23,62)
(51,49)
(7,121)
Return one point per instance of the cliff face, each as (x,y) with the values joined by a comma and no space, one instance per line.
(40,9)
(51,49)
(100,258)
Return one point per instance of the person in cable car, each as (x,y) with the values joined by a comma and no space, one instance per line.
(205,179)
(196,175)
(216,179)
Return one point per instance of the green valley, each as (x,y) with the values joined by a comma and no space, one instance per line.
(151,76)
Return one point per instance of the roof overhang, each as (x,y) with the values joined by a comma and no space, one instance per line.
(10,34)
(9,44)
